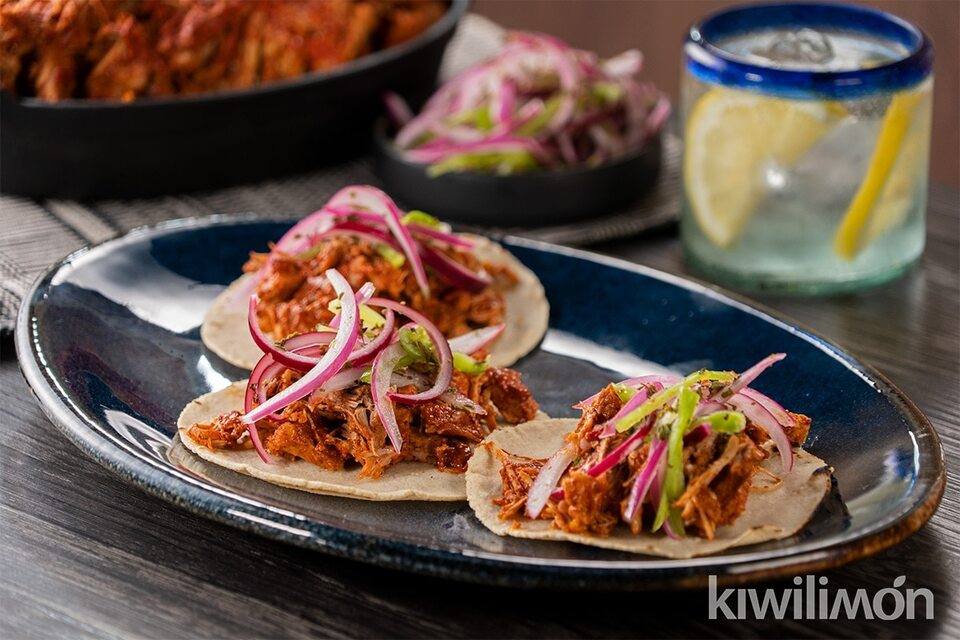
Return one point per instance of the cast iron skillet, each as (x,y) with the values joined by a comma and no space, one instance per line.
(534,199)
(86,148)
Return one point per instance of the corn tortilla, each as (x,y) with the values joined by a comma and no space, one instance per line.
(224,330)
(768,516)
(402,481)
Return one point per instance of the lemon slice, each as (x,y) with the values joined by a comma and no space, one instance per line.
(732,138)
(896,167)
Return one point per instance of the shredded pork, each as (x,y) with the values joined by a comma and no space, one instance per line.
(341,429)
(718,470)
(295,296)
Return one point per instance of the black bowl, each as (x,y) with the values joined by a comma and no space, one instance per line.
(88,148)
(535,199)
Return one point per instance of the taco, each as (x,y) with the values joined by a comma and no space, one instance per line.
(374,407)
(460,282)
(660,465)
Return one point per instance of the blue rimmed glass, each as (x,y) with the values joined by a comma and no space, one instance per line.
(807,131)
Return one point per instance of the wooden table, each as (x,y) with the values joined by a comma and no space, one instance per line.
(88,556)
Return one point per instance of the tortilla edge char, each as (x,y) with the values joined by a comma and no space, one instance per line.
(224,329)
(805,487)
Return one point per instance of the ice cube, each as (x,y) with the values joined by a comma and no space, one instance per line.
(802,46)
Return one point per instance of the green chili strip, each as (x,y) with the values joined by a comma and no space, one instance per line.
(533,126)
(468,365)
(725,421)
(624,392)
(500,162)
(391,255)
(416,344)
(422,218)
(664,396)
(673,482)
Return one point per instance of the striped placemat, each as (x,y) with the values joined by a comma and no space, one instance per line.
(36,234)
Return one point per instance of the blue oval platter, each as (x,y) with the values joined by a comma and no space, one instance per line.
(109,341)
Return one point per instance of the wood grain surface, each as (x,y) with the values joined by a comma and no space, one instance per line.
(85,555)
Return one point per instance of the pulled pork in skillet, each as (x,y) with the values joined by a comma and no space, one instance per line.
(129,49)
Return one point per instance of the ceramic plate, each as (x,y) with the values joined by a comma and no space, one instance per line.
(109,341)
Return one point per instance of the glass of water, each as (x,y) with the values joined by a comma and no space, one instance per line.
(806,143)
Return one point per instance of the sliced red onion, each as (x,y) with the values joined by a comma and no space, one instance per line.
(408,376)
(528,112)
(359,230)
(342,380)
(376,201)
(255,439)
(760,416)
(440,344)
(451,239)
(668,529)
(638,399)
(249,400)
(507,102)
(547,480)
(362,296)
(624,449)
(665,380)
(292,353)
(365,292)
(568,74)
(366,353)
(285,356)
(303,341)
(608,430)
(263,372)
(347,214)
(476,339)
(748,376)
(627,64)
(422,123)
(331,362)
(707,407)
(644,479)
(273,371)
(512,88)
(771,405)
(380,379)
(317,225)
(398,109)
(409,248)
(454,272)
(253,324)
(656,495)
(360,197)
(697,434)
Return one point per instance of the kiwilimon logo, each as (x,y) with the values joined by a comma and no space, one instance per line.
(812,600)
